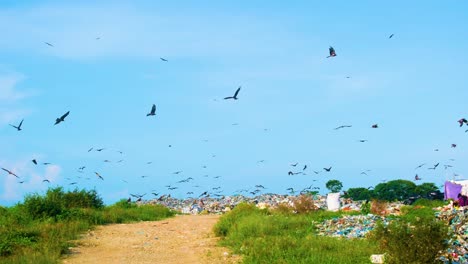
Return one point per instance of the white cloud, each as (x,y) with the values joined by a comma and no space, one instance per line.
(10,95)
(14,191)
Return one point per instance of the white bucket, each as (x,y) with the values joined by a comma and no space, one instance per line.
(333,201)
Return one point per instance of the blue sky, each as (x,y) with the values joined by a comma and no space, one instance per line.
(413,86)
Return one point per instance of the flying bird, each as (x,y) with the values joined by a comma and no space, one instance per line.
(305,167)
(390,36)
(420,166)
(340,127)
(153,111)
(363,140)
(328,169)
(34,161)
(101,149)
(10,173)
(99,175)
(46,180)
(19,126)
(417,178)
(332,52)
(463,121)
(295,164)
(49,44)
(235,94)
(375,126)
(163,59)
(454,145)
(90,149)
(177,172)
(62,118)
(435,166)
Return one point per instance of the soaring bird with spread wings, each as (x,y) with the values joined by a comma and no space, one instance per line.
(62,118)
(10,172)
(235,94)
(19,126)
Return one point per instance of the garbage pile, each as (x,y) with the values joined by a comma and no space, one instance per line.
(219,205)
(458,244)
(349,226)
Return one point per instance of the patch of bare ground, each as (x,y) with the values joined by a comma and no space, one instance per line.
(182,239)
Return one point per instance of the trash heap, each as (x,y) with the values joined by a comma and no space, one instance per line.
(219,205)
(349,226)
(458,244)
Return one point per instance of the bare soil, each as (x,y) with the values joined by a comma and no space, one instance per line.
(181,239)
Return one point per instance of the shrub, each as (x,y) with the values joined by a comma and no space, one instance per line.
(303,204)
(366,207)
(418,242)
(378,207)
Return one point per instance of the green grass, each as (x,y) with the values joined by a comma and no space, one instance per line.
(268,237)
(40,229)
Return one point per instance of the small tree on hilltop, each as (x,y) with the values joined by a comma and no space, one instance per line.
(334,186)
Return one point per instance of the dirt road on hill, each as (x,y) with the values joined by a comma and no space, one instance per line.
(181,239)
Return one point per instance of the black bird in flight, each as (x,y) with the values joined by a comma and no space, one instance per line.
(62,118)
(259,186)
(138,195)
(363,140)
(463,121)
(375,126)
(163,59)
(390,36)
(340,127)
(49,44)
(101,149)
(203,194)
(46,163)
(19,126)
(305,167)
(420,166)
(10,173)
(155,194)
(454,145)
(46,180)
(435,166)
(153,111)
(328,169)
(34,161)
(90,149)
(99,175)
(177,172)
(295,164)
(332,52)
(235,94)
(417,178)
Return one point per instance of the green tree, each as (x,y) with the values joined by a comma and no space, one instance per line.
(334,185)
(426,188)
(358,194)
(394,190)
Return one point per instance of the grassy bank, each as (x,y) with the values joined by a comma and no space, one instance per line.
(281,236)
(263,236)
(40,229)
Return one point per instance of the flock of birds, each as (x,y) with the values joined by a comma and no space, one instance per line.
(217,191)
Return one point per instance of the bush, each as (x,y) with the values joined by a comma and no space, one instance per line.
(304,204)
(378,207)
(58,204)
(417,242)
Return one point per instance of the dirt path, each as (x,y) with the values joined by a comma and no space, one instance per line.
(182,239)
